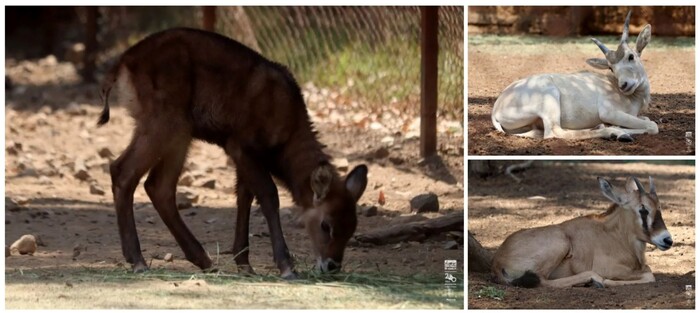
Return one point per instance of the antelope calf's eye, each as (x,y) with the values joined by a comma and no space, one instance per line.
(326,227)
(631,58)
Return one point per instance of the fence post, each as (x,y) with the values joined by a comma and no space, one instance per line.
(209,18)
(429,83)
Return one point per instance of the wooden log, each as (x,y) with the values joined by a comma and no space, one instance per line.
(479,259)
(414,231)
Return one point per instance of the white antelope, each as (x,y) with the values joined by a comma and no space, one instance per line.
(577,106)
(603,250)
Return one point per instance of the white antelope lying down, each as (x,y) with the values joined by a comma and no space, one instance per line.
(603,250)
(577,106)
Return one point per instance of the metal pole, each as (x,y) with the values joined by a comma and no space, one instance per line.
(429,81)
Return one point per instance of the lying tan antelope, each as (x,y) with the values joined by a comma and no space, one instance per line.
(604,249)
(579,105)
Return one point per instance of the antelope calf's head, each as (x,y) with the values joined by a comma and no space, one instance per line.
(625,63)
(642,211)
(333,219)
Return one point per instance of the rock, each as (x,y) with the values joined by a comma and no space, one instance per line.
(168,257)
(11,205)
(341,164)
(150,220)
(96,190)
(186,180)
(184,200)
(381,153)
(450,245)
(388,140)
(105,153)
(369,211)
(425,203)
(211,184)
(211,220)
(81,174)
(24,245)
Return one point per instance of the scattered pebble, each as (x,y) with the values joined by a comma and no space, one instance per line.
(369,211)
(168,257)
(96,190)
(24,245)
(105,153)
(211,184)
(186,180)
(425,203)
(450,245)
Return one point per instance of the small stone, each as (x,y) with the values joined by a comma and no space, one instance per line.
(96,190)
(211,184)
(43,180)
(369,211)
(397,246)
(82,174)
(105,153)
(186,180)
(12,205)
(168,257)
(425,203)
(341,164)
(388,140)
(150,220)
(24,245)
(381,153)
(211,220)
(450,245)
(185,200)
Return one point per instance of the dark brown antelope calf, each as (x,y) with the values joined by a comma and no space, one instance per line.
(185,84)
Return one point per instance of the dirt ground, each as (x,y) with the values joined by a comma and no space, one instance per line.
(498,207)
(50,131)
(496,62)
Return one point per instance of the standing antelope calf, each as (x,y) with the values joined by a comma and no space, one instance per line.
(605,249)
(577,106)
(185,84)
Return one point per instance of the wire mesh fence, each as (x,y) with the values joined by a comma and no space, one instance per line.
(368,54)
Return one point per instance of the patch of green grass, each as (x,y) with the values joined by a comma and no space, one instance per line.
(420,289)
(491,292)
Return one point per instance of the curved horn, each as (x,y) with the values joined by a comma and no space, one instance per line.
(652,187)
(601,46)
(626,29)
(639,185)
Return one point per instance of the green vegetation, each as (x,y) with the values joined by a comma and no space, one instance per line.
(491,292)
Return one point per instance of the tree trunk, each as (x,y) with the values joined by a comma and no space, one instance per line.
(478,258)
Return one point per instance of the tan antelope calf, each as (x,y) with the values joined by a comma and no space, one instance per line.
(603,249)
(579,105)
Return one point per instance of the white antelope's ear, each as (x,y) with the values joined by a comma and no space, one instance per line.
(601,64)
(643,39)
(356,182)
(608,191)
(321,179)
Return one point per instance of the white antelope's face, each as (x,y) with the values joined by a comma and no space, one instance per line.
(644,209)
(625,63)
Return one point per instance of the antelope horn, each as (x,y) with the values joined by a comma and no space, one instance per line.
(626,29)
(652,187)
(639,185)
(601,46)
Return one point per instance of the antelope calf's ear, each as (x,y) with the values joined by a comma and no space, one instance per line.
(356,181)
(608,191)
(321,179)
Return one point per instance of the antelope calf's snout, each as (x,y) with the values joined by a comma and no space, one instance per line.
(329,266)
(668,241)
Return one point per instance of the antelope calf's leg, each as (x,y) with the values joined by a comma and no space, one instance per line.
(241,244)
(126,171)
(161,187)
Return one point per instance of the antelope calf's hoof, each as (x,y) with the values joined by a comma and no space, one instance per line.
(597,284)
(625,138)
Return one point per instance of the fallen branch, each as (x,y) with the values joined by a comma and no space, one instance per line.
(415,231)
(517,167)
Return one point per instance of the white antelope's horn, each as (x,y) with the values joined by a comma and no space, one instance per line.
(601,46)
(626,29)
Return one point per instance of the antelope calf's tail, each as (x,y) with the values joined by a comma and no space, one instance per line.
(528,280)
(109,80)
